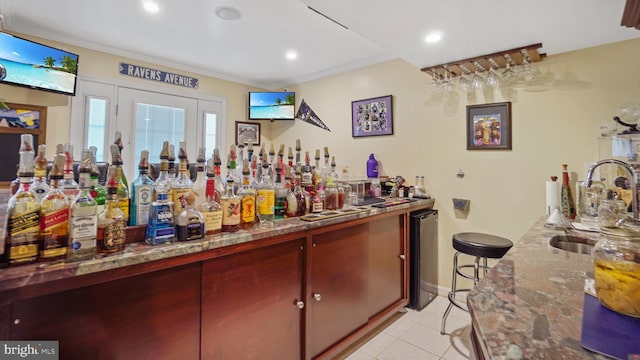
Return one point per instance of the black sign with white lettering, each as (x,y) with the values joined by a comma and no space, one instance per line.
(158,75)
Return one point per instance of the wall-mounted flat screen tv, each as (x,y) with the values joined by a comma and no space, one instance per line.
(272,105)
(30,64)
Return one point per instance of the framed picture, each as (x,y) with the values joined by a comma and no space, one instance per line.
(489,126)
(372,117)
(246,131)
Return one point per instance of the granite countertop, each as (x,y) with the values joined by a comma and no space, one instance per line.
(530,304)
(138,253)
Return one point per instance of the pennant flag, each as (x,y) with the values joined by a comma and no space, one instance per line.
(306,114)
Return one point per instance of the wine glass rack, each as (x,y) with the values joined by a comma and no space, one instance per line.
(485,62)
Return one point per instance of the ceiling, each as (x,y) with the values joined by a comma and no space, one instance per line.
(188,35)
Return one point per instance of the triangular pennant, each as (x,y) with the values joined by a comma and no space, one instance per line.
(306,114)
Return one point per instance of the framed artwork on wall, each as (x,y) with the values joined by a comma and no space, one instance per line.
(372,117)
(489,126)
(246,131)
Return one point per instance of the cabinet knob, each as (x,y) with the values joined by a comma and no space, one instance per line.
(300,304)
(16,322)
(317,297)
(402,256)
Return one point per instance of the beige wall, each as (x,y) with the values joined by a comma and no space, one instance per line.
(506,188)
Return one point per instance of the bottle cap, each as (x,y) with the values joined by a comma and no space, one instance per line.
(26,143)
(317,157)
(172,153)
(281,150)
(115,155)
(182,151)
(290,153)
(144,160)
(59,149)
(57,169)
(112,175)
(272,150)
(85,161)
(41,159)
(210,168)
(94,165)
(201,158)
(326,152)
(164,153)
(118,140)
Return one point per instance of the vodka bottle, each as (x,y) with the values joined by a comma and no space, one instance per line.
(97,191)
(23,213)
(39,186)
(190,222)
(266,197)
(54,216)
(123,190)
(112,222)
(230,203)
(210,208)
(83,215)
(69,185)
(199,186)
(247,197)
(163,182)
(182,184)
(118,142)
(141,192)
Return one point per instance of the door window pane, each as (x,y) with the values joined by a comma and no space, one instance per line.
(154,125)
(210,131)
(97,115)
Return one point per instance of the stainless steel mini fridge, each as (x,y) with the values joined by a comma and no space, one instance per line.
(423,258)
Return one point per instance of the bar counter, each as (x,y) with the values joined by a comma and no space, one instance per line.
(529,306)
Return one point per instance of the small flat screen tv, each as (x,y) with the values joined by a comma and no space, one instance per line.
(30,64)
(272,105)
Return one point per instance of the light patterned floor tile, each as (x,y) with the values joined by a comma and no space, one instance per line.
(401,350)
(359,355)
(427,338)
(378,344)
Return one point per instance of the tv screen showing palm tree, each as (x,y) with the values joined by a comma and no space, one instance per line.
(277,105)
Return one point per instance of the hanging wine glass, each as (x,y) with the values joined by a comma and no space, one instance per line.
(437,81)
(463,83)
(526,71)
(510,74)
(447,80)
(493,79)
(478,82)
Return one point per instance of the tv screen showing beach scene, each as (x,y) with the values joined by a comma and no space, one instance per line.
(37,66)
(272,105)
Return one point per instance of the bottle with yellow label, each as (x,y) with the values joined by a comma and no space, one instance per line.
(182,184)
(247,200)
(122,189)
(266,197)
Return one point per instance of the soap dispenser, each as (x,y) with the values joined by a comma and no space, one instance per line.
(372,167)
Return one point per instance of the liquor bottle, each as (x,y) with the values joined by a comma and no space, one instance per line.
(123,190)
(266,197)
(316,176)
(54,216)
(199,186)
(240,161)
(326,168)
(172,162)
(190,222)
(307,174)
(281,194)
(83,213)
(69,185)
(141,192)
(221,188)
(118,141)
(163,181)
(97,191)
(39,186)
(23,212)
(290,157)
(161,227)
(112,222)
(272,161)
(231,168)
(230,203)
(317,201)
(247,197)
(182,184)
(295,202)
(210,208)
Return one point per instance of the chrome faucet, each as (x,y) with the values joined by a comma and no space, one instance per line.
(633,180)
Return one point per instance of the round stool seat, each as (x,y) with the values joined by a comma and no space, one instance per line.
(481,245)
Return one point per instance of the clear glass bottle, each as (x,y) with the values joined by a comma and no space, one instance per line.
(54,216)
(210,208)
(123,190)
(118,141)
(247,200)
(230,203)
(163,182)
(172,162)
(83,214)
(266,197)
(231,168)
(39,186)
(316,175)
(112,222)
(97,191)
(281,194)
(190,222)
(161,226)
(221,188)
(141,192)
(199,186)
(69,185)
(332,195)
(23,212)
(182,184)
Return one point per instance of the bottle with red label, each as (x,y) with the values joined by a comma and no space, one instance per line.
(54,216)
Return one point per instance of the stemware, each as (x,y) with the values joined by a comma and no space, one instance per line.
(463,82)
(493,79)
(478,81)
(526,71)
(510,74)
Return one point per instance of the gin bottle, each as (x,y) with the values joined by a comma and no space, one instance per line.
(141,192)
(69,185)
(247,197)
(112,222)
(210,208)
(122,189)
(182,184)
(190,222)
(23,213)
(83,219)
(39,186)
(54,216)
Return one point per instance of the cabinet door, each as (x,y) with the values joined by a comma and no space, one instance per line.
(338,286)
(249,304)
(386,267)
(150,316)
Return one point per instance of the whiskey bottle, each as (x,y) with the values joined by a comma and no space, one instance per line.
(141,192)
(163,182)
(112,222)
(118,141)
(161,227)
(123,190)
(230,203)
(83,214)
(97,191)
(210,208)
(69,185)
(39,186)
(54,216)
(23,212)
(190,222)
(280,193)
(199,186)
(247,197)
(182,184)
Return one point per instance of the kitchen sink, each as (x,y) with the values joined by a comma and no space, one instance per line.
(576,244)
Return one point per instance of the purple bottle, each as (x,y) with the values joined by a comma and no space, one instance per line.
(372,167)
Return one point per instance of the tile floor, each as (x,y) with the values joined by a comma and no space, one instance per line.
(415,335)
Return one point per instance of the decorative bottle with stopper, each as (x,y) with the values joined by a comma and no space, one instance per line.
(141,192)
(112,223)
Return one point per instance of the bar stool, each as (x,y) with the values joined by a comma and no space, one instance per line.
(482,246)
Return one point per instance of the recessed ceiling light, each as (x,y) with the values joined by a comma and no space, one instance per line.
(291,55)
(433,37)
(151,6)
(228,13)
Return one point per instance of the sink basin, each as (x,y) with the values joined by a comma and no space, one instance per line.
(576,244)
